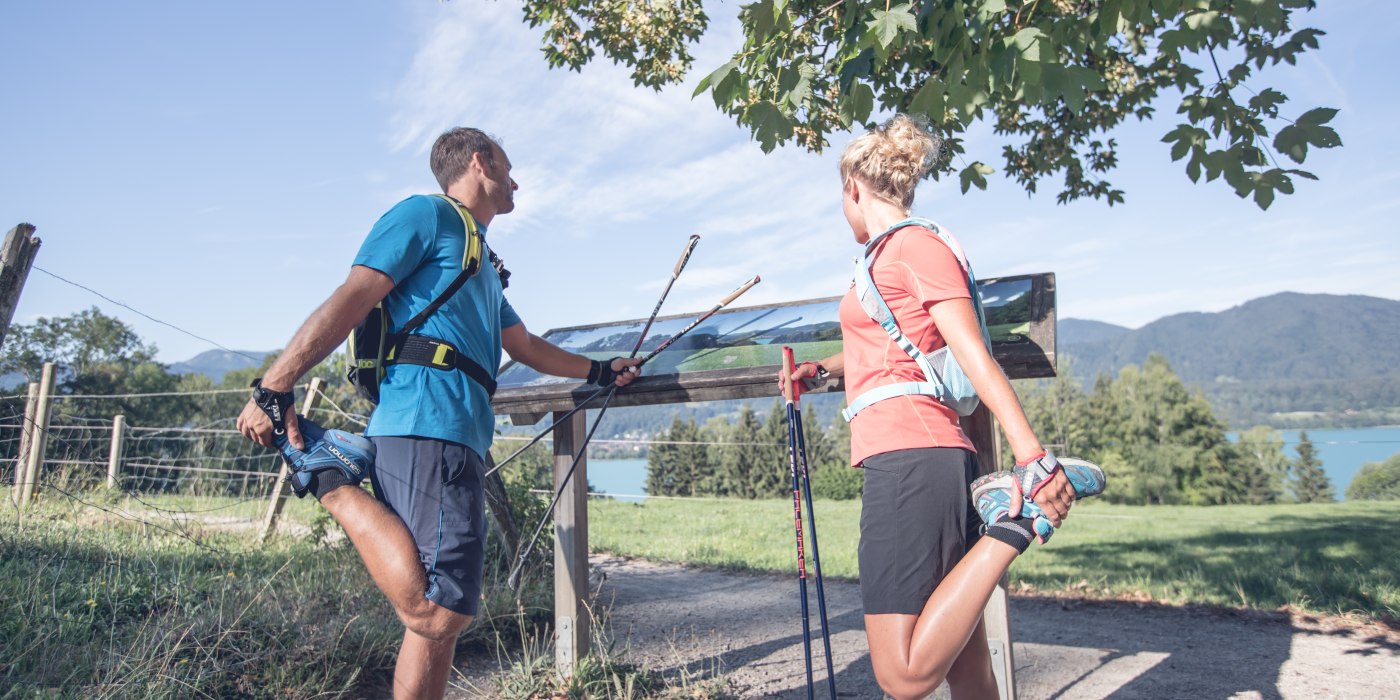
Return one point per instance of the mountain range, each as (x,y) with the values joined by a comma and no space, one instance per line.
(216,363)
(1285,359)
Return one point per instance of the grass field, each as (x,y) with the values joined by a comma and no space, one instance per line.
(1335,558)
(107,596)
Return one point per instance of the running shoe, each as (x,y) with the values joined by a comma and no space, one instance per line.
(991,495)
(351,454)
(1086,478)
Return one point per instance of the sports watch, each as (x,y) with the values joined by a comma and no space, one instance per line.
(818,381)
(276,404)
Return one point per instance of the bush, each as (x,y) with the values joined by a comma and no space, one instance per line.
(1377,481)
(837,481)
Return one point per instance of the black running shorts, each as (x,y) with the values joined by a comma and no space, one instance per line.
(916,523)
(435,486)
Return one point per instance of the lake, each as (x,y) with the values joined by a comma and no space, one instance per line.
(1341,451)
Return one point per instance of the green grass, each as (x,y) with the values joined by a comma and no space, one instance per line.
(1326,558)
(115,597)
(104,595)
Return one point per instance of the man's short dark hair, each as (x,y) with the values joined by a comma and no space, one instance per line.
(452,153)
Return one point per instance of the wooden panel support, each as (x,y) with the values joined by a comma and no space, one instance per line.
(571,617)
(981,428)
(280,486)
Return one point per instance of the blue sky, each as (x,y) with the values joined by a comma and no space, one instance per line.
(215,165)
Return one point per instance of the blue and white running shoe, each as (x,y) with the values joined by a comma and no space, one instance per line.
(351,454)
(991,494)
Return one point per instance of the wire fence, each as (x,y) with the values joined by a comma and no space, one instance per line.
(84,447)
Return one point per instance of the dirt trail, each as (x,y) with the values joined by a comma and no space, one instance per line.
(749,627)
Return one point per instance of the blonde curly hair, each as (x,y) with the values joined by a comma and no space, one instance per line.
(893,157)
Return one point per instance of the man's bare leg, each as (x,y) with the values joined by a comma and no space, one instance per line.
(424,666)
(391,556)
(912,654)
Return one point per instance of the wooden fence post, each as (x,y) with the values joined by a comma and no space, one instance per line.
(16,257)
(279,487)
(571,618)
(38,441)
(114,458)
(981,427)
(26,438)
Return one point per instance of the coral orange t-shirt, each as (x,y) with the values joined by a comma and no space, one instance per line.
(913,270)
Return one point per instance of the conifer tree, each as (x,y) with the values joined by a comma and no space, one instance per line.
(662,473)
(1310,483)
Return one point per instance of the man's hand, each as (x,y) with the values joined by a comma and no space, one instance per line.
(256,425)
(627,369)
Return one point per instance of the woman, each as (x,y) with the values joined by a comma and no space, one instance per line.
(925,572)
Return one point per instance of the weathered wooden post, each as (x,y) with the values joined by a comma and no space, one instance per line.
(279,487)
(571,620)
(114,458)
(26,439)
(981,428)
(38,440)
(16,257)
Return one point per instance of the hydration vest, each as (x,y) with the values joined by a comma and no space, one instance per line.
(944,378)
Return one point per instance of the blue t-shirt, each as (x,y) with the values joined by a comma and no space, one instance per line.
(420,243)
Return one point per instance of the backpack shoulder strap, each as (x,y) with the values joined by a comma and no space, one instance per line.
(471,264)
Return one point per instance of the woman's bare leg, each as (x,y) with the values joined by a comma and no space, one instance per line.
(912,654)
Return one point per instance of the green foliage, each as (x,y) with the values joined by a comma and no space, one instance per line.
(94,353)
(1168,438)
(1377,481)
(741,457)
(1054,77)
(1310,483)
(650,36)
(1267,467)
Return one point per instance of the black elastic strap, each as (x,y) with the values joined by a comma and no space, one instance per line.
(441,299)
(439,354)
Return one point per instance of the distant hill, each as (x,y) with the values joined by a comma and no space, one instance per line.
(1074,331)
(216,363)
(1281,359)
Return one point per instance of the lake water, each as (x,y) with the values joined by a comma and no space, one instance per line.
(622,479)
(1342,453)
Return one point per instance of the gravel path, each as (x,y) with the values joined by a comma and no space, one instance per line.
(748,627)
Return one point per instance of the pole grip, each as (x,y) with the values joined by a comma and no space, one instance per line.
(735,295)
(792,391)
(685,255)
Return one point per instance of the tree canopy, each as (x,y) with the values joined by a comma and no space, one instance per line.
(1053,77)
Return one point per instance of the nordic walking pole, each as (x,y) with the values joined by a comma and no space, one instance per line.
(796,419)
(513,580)
(791,394)
(680,265)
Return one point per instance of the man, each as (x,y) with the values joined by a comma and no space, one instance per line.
(422,533)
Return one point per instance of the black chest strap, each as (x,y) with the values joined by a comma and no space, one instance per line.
(439,354)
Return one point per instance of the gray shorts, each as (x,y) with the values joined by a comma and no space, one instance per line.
(435,486)
(916,523)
